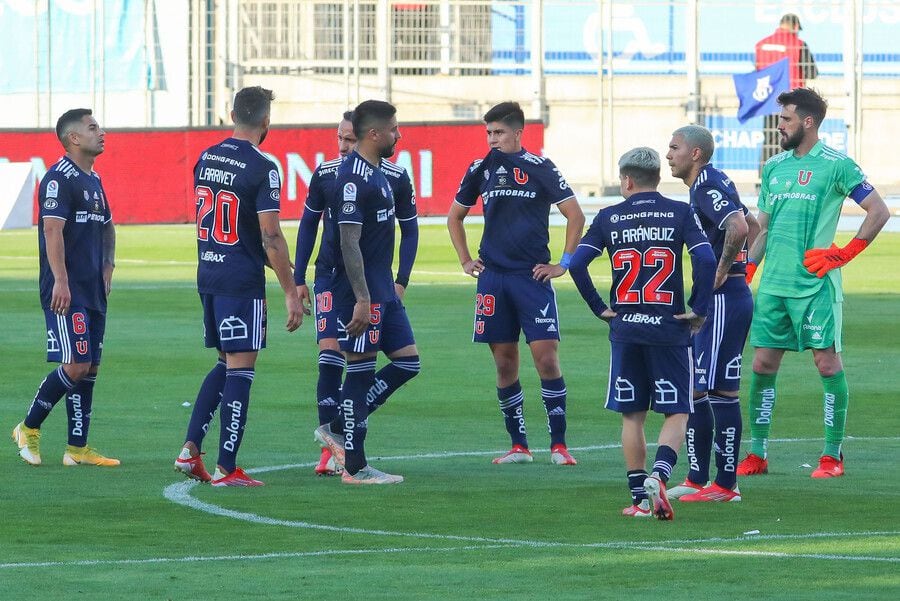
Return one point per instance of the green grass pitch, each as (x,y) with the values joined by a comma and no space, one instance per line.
(459,527)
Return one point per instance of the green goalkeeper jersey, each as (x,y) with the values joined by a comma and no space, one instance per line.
(802,197)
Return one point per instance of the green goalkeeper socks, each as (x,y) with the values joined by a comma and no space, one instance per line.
(837,397)
(762,404)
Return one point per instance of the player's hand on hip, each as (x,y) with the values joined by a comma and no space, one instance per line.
(399,290)
(822,260)
(546,272)
(362,314)
(473,267)
(608,315)
(294,312)
(60,298)
(305,300)
(720,279)
(695,320)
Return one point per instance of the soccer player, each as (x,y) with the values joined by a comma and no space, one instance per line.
(331,361)
(76,244)
(238,194)
(719,344)
(799,300)
(514,271)
(362,294)
(649,330)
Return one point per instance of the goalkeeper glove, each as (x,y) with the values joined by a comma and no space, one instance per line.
(822,260)
(751,271)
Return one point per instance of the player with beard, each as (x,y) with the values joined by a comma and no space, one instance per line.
(799,302)
(369,315)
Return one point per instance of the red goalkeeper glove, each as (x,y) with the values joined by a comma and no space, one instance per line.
(822,260)
(751,271)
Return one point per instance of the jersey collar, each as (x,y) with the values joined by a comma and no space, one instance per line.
(813,152)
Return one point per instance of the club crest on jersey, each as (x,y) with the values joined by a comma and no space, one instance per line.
(520,176)
(52,189)
(803,177)
(86,195)
(373,336)
(479,327)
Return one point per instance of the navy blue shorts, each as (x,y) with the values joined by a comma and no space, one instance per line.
(642,377)
(389,329)
(233,324)
(76,337)
(719,344)
(506,304)
(326,316)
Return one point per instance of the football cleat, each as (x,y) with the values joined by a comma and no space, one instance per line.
(370,475)
(29,442)
(333,442)
(326,465)
(236,478)
(656,490)
(559,455)
(713,493)
(87,456)
(192,467)
(517,454)
(829,467)
(641,510)
(685,488)
(752,465)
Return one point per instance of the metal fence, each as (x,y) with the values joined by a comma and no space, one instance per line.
(613,70)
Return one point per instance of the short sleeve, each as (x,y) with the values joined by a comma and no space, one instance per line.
(763,203)
(714,204)
(55,196)
(594,236)
(315,197)
(268,197)
(849,176)
(405,199)
(349,193)
(553,182)
(470,186)
(693,232)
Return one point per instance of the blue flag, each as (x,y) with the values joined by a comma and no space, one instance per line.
(758,91)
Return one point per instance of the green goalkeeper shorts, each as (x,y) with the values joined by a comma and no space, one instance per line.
(797,324)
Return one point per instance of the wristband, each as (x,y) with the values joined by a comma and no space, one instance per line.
(565,260)
(402,281)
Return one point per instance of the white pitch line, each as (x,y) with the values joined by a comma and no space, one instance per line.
(254,557)
(179,493)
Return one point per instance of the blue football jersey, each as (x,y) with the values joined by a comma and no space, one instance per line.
(318,200)
(322,199)
(516,191)
(68,193)
(644,237)
(233,183)
(363,196)
(714,198)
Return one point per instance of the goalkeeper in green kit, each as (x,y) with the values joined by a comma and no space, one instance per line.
(799,301)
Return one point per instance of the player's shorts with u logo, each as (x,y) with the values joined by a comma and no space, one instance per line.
(234,324)
(719,344)
(389,329)
(797,324)
(507,303)
(642,376)
(76,337)
(326,315)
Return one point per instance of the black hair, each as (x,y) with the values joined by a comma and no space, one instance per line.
(67,120)
(509,113)
(252,106)
(369,114)
(808,102)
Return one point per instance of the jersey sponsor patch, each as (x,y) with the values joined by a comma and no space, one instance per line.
(274,182)
(348,208)
(275,195)
(349,194)
(52,190)
(50,204)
